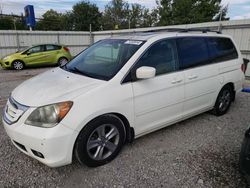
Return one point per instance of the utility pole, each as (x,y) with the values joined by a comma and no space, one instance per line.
(1,8)
(17,36)
(220,25)
(129,22)
(14,22)
(221,12)
(90,35)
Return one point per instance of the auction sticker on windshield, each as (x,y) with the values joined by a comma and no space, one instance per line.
(133,42)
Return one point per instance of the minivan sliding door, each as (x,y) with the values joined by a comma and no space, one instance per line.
(158,101)
(201,76)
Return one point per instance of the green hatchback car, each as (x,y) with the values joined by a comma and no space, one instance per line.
(38,55)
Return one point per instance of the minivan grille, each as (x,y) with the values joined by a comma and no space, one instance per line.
(13,111)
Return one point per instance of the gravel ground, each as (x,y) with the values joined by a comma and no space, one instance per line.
(200,152)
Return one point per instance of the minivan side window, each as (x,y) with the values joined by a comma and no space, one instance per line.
(192,52)
(221,49)
(162,56)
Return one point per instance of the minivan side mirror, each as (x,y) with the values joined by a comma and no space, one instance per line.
(145,72)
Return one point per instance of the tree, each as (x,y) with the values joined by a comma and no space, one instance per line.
(51,21)
(116,13)
(68,21)
(120,13)
(150,18)
(155,17)
(84,14)
(136,15)
(20,23)
(12,22)
(141,16)
(174,12)
(222,15)
(6,23)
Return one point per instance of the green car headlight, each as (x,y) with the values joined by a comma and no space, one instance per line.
(5,57)
(50,115)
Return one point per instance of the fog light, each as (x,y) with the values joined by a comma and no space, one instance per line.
(38,154)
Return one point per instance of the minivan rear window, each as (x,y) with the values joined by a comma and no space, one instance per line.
(221,49)
(192,51)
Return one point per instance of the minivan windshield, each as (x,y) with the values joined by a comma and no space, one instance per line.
(103,59)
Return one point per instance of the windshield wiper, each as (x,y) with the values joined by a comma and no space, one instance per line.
(64,67)
(78,71)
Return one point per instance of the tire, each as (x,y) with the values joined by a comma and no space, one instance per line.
(62,61)
(18,65)
(100,141)
(223,101)
(245,156)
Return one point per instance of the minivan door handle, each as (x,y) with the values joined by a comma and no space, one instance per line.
(176,81)
(191,77)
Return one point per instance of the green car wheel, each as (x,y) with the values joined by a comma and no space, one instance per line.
(18,65)
(62,61)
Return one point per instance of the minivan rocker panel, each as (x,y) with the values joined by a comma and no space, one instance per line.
(121,88)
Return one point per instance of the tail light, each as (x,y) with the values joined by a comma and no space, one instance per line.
(244,65)
(243,68)
(66,49)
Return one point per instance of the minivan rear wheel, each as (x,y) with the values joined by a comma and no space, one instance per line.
(223,101)
(100,141)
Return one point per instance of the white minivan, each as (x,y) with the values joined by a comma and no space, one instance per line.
(119,89)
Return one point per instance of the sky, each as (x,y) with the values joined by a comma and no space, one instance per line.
(238,9)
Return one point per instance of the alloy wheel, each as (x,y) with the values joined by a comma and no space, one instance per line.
(224,100)
(103,141)
(18,65)
(63,61)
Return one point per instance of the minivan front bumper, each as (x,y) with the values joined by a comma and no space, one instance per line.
(51,146)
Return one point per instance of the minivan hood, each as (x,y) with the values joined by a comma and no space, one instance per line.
(53,86)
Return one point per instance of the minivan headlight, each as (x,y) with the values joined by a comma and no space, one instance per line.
(50,115)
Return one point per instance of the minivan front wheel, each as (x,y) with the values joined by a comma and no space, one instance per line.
(18,65)
(223,101)
(100,141)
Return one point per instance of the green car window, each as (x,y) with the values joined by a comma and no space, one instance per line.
(50,47)
(36,49)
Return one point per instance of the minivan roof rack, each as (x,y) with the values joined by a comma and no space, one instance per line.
(184,30)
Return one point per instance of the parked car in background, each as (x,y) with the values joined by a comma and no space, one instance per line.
(119,89)
(38,55)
